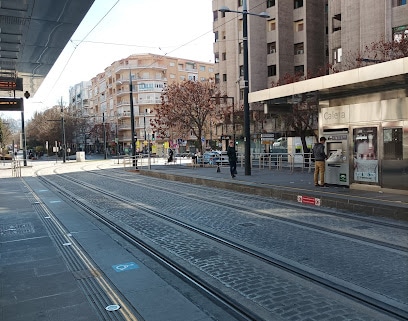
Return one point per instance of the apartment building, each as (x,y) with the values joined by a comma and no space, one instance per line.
(110,98)
(299,37)
(353,25)
(293,40)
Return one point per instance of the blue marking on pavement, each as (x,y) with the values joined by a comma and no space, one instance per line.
(125,266)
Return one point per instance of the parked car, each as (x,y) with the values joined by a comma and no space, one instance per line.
(281,142)
(223,158)
(208,158)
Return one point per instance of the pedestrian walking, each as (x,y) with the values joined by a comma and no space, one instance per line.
(232,158)
(170,159)
(320,158)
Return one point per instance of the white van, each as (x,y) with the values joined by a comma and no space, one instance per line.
(281,142)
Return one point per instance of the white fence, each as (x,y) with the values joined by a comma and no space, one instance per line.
(277,161)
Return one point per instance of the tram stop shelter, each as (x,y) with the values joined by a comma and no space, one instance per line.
(363,113)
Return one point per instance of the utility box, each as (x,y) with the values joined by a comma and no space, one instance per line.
(80,156)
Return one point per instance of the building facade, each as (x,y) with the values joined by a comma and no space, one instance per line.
(354,25)
(303,37)
(292,40)
(110,100)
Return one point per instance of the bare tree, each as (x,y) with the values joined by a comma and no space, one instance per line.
(186,107)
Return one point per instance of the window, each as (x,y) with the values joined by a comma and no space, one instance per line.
(224,56)
(272,25)
(216,36)
(271,70)
(217,78)
(336,21)
(298,4)
(217,57)
(400,33)
(270,3)
(215,15)
(172,64)
(271,47)
(241,94)
(240,2)
(393,143)
(298,25)
(202,68)
(397,3)
(337,55)
(224,77)
(300,70)
(240,48)
(241,71)
(299,48)
(182,78)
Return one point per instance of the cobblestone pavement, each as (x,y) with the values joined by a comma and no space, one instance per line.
(277,294)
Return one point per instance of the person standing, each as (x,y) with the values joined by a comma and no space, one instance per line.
(320,158)
(232,158)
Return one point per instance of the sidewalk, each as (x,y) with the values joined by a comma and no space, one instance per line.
(296,186)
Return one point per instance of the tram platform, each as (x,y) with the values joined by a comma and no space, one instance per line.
(296,186)
(57,265)
(39,280)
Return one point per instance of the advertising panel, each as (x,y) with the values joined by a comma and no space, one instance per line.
(365,154)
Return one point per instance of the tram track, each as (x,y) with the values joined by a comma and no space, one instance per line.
(196,191)
(342,289)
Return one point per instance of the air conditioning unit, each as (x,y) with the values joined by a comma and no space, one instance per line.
(300,52)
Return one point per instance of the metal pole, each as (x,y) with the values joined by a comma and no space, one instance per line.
(23,139)
(104,135)
(246,91)
(132,121)
(64,154)
(233,120)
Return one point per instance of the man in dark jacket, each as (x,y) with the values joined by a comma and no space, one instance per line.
(232,158)
(320,157)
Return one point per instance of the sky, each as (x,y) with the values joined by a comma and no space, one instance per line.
(116,29)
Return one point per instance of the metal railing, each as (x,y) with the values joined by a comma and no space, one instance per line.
(271,161)
(280,161)
(16,168)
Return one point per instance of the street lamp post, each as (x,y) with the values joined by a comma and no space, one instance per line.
(247,128)
(104,136)
(132,121)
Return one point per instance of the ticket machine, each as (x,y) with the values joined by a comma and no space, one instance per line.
(337,164)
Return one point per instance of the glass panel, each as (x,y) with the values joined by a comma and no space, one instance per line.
(393,143)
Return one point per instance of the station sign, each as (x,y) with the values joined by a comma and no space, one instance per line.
(8,83)
(268,137)
(308,200)
(11,104)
